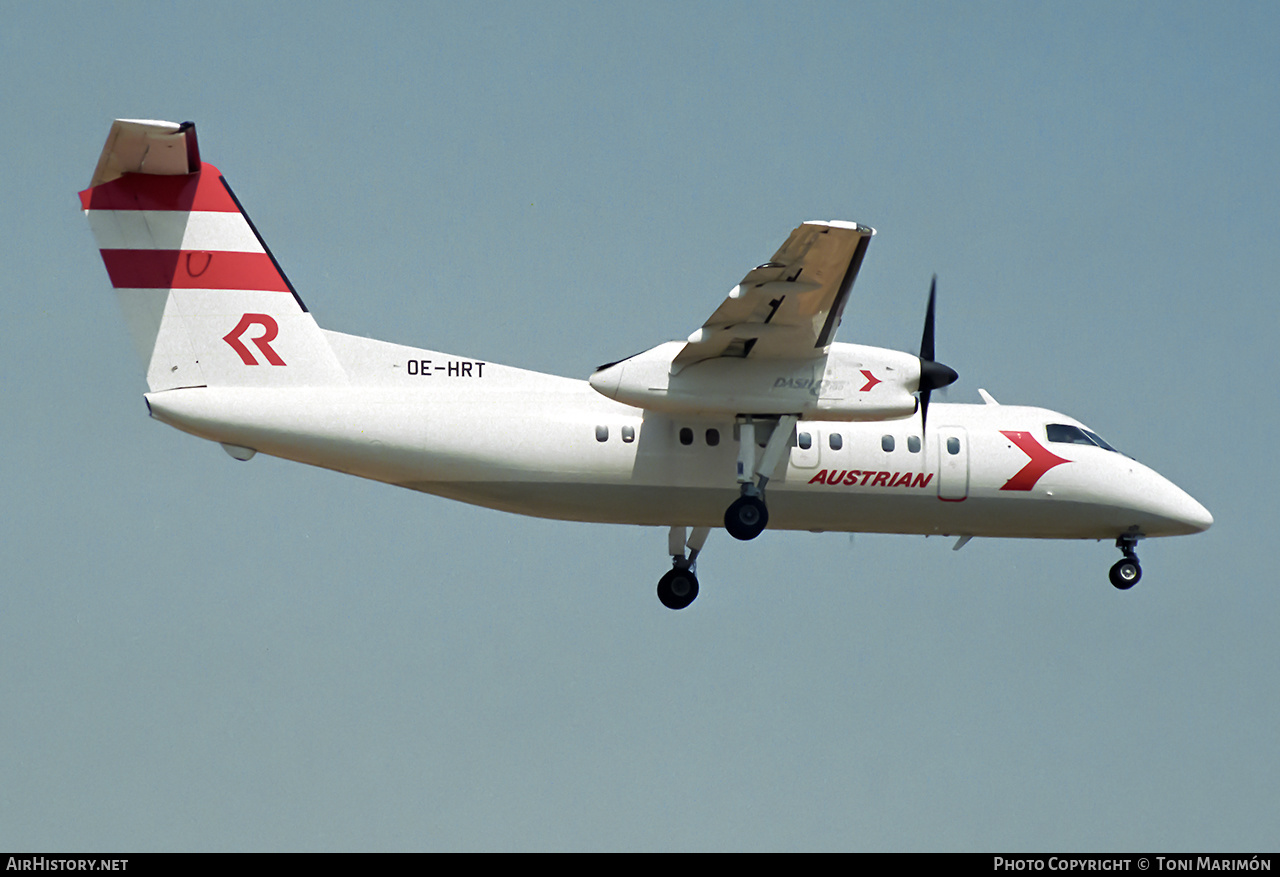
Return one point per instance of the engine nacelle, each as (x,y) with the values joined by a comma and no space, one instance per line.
(852,382)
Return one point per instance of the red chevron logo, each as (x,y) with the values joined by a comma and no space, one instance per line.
(1042,460)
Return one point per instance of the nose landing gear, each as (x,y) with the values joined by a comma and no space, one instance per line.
(1126,572)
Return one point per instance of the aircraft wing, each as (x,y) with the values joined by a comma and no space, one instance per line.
(789,307)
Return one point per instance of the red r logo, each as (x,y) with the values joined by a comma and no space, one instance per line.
(263,342)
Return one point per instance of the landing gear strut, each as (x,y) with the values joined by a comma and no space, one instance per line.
(748,515)
(1126,572)
(679,587)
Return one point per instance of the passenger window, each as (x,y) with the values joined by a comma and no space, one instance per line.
(886,443)
(602,433)
(686,435)
(836,441)
(804,441)
(713,437)
(913,444)
(628,434)
(953,446)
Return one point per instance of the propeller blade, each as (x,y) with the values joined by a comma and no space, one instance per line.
(933,375)
(926,341)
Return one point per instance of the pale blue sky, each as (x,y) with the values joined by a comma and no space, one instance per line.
(197,654)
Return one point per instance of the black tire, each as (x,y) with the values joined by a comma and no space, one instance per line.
(1126,573)
(678,588)
(746,518)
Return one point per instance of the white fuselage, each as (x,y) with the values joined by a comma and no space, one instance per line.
(553,447)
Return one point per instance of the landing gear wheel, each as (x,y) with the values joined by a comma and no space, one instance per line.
(678,588)
(746,518)
(1126,573)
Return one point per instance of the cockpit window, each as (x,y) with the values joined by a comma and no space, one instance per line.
(1097,440)
(1070,435)
(1073,435)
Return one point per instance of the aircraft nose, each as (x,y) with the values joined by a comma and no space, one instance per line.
(1196,515)
(1167,508)
(1178,505)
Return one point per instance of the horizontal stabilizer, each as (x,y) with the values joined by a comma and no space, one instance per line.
(141,146)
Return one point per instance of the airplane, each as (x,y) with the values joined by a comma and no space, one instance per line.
(760,418)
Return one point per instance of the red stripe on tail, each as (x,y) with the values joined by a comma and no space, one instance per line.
(192,269)
(199,191)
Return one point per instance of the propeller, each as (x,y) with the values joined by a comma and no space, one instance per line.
(933,375)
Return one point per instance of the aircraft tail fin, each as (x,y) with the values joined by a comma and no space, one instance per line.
(205,300)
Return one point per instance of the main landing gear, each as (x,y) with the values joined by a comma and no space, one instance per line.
(1126,572)
(678,588)
(748,515)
